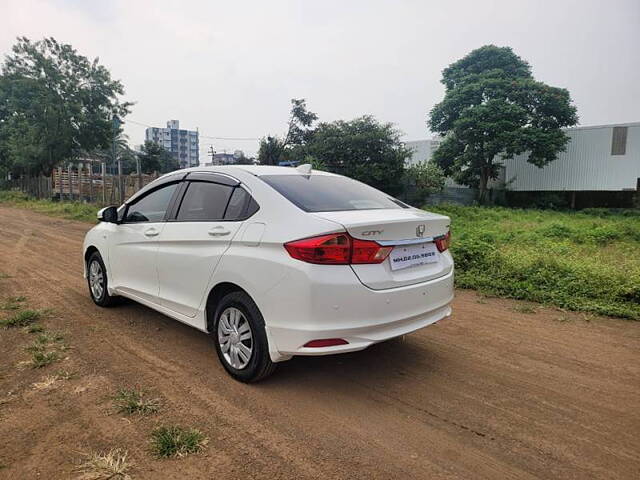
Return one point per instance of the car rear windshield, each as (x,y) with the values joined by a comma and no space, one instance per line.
(328,193)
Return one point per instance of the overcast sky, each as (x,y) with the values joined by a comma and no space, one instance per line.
(231,68)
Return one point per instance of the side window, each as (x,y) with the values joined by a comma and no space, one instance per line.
(237,204)
(204,201)
(151,207)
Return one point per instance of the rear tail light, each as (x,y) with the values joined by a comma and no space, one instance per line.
(337,249)
(443,242)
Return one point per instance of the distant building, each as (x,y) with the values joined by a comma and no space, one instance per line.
(422,150)
(598,158)
(225,158)
(182,144)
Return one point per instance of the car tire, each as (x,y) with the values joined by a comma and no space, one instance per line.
(97,281)
(239,327)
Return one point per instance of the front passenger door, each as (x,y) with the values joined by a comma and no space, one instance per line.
(134,244)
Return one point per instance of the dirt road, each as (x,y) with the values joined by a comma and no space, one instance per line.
(489,393)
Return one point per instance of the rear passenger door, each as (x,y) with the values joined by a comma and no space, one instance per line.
(195,238)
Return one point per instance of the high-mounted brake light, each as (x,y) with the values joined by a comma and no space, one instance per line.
(337,249)
(443,243)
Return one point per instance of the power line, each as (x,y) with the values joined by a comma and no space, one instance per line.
(252,139)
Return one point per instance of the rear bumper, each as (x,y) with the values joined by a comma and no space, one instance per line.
(362,317)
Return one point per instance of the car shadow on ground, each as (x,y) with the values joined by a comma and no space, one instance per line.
(395,360)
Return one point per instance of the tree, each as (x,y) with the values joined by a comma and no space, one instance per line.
(54,104)
(494,109)
(154,158)
(424,179)
(364,149)
(244,160)
(273,150)
(270,150)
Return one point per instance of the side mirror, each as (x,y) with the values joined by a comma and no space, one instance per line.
(108,214)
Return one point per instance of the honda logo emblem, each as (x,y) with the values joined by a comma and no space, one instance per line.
(420,230)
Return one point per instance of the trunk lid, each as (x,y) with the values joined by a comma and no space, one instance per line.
(410,231)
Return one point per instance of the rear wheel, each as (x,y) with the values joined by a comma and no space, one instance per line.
(97,280)
(240,338)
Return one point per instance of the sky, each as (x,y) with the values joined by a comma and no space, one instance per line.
(231,68)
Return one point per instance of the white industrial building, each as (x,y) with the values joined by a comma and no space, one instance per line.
(598,159)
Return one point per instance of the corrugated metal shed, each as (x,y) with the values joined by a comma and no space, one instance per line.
(586,165)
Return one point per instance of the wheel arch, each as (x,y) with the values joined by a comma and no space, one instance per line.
(215,295)
(89,251)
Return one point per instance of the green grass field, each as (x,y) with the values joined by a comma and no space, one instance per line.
(586,261)
(85,212)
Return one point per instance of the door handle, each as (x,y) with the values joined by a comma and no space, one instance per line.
(152,232)
(218,232)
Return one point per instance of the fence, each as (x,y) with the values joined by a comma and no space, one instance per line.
(82,183)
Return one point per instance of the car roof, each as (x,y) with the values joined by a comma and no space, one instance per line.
(257,170)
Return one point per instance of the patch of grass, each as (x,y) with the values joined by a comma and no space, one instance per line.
(175,441)
(585,261)
(85,212)
(13,303)
(528,309)
(65,375)
(41,358)
(106,465)
(35,328)
(132,402)
(21,319)
(4,275)
(46,338)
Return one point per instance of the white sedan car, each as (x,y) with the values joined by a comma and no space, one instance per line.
(274,262)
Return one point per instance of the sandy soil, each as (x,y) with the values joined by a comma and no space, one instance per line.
(489,393)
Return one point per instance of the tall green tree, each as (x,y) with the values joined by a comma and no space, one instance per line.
(299,130)
(494,109)
(54,104)
(364,149)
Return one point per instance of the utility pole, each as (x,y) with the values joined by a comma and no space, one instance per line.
(115,123)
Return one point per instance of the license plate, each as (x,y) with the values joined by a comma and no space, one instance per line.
(413,255)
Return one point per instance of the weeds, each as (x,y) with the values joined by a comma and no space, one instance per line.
(174,441)
(42,353)
(41,359)
(70,210)
(106,465)
(528,309)
(65,375)
(134,402)
(585,261)
(35,328)
(21,319)
(13,303)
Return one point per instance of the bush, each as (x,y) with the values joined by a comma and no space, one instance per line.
(576,261)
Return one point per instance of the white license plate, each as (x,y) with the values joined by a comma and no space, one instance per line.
(413,255)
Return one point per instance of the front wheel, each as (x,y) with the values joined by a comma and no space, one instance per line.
(240,338)
(97,280)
